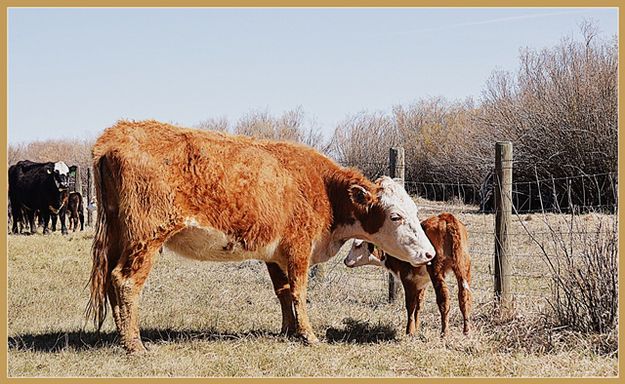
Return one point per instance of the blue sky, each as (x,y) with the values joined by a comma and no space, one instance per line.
(73,72)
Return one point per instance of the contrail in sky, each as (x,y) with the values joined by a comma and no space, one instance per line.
(492,21)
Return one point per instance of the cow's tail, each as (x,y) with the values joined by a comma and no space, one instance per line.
(100,271)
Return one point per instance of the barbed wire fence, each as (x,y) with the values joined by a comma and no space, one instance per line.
(540,210)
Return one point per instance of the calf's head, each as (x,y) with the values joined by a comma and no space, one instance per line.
(390,221)
(363,253)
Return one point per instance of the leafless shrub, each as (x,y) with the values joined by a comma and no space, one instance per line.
(292,125)
(363,141)
(443,142)
(560,110)
(220,124)
(583,261)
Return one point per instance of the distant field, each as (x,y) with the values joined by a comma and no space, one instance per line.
(222,319)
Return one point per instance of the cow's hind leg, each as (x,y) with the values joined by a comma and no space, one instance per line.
(127,280)
(282,289)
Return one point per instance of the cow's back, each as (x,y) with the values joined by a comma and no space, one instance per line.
(173,177)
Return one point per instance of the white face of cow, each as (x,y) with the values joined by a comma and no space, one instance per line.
(360,254)
(401,234)
(61,175)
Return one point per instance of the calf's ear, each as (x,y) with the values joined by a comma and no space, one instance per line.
(360,195)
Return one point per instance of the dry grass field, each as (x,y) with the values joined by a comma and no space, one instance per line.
(222,319)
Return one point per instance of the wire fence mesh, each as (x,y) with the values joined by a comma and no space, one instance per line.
(541,211)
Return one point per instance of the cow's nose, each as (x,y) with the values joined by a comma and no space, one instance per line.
(429,256)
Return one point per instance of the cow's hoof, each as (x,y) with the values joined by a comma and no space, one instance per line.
(136,348)
(64,232)
(309,338)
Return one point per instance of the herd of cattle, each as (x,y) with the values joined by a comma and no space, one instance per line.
(41,190)
(214,196)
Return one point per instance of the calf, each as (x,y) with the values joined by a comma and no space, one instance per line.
(449,237)
(75,211)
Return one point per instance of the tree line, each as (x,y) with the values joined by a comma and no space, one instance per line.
(559,109)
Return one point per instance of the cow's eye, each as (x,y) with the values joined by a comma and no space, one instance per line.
(396,217)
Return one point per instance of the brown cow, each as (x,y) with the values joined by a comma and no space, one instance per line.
(449,237)
(213,196)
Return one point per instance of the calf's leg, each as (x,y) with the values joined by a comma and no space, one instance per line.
(464,296)
(414,299)
(442,299)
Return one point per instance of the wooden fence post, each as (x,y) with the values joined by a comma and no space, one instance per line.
(397,171)
(89,196)
(503,218)
(77,181)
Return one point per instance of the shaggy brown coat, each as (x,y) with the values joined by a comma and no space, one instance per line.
(161,185)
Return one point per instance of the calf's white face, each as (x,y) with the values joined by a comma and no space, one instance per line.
(361,254)
(401,234)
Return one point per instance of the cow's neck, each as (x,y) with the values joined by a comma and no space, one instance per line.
(337,182)
(329,245)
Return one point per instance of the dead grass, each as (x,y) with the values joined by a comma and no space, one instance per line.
(222,319)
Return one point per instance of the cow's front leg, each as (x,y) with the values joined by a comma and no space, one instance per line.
(53,218)
(16,212)
(31,222)
(298,258)
(281,288)
(45,216)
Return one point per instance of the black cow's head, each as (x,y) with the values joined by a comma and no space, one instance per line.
(60,174)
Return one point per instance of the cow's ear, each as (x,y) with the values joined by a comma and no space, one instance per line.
(360,195)
(72,170)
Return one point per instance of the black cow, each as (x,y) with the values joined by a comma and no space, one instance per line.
(75,211)
(38,186)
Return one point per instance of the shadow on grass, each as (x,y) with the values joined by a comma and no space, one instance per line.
(58,341)
(355,331)
(361,332)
